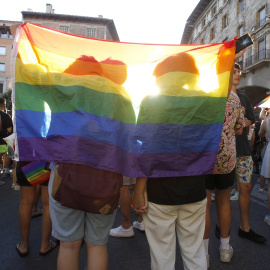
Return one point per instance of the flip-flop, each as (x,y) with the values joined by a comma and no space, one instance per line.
(53,245)
(18,248)
(37,213)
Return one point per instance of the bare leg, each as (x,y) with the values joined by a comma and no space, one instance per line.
(224,211)
(68,257)
(97,257)
(46,220)
(25,214)
(38,194)
(125,202)
(237,186)
(140,217)
(262,181)
(14,176)
(6,161)
(244,203)
(207,216)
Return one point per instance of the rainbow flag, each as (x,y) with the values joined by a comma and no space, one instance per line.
(36,173)
(265,103)
(136,109)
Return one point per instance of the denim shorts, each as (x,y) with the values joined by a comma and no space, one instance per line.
(69,225)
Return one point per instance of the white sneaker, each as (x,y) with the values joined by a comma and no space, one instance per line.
(226,255)
(6,173)
(122,232)
(233,191)
(235,196)
(138,225)
(267,219)
(17,188)
(213,196)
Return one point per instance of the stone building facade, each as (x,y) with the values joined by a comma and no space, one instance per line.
(92,27)
(6,41)
(215,21)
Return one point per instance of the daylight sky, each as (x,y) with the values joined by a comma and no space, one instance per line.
(140,21)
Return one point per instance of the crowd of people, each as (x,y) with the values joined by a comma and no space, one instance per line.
(169,208)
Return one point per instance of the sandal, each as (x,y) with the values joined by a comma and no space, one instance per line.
(52,245)
(18,248)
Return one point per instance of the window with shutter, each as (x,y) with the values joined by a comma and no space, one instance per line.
(212,34)
(214,11)
(2,67)
(91,32)
(261,48)
(262,16)
(238,8)
(64,29)
(242,5)
(2,50)
(240,31)
(203,22)
(224,21)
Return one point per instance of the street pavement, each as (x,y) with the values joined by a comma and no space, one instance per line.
(131,253)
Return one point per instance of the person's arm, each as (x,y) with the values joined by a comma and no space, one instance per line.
(239,54)
(139,199)
(237,130)
(262,131)
(247,122)
(262,114)
(253,140)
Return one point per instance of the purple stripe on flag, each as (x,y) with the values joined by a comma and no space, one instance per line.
(72,149)
(33,166)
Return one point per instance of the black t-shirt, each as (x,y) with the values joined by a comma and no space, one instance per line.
(242,145)
(6,123)
(176,190)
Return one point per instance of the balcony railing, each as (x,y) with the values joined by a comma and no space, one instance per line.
(257,57)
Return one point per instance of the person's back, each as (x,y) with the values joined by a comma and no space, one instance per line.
(174,203)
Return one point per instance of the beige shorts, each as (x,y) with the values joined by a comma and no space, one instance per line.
(127,181)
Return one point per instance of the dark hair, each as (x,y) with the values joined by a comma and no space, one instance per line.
(237,66)
(183,61)
(84,65)
(2,100)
